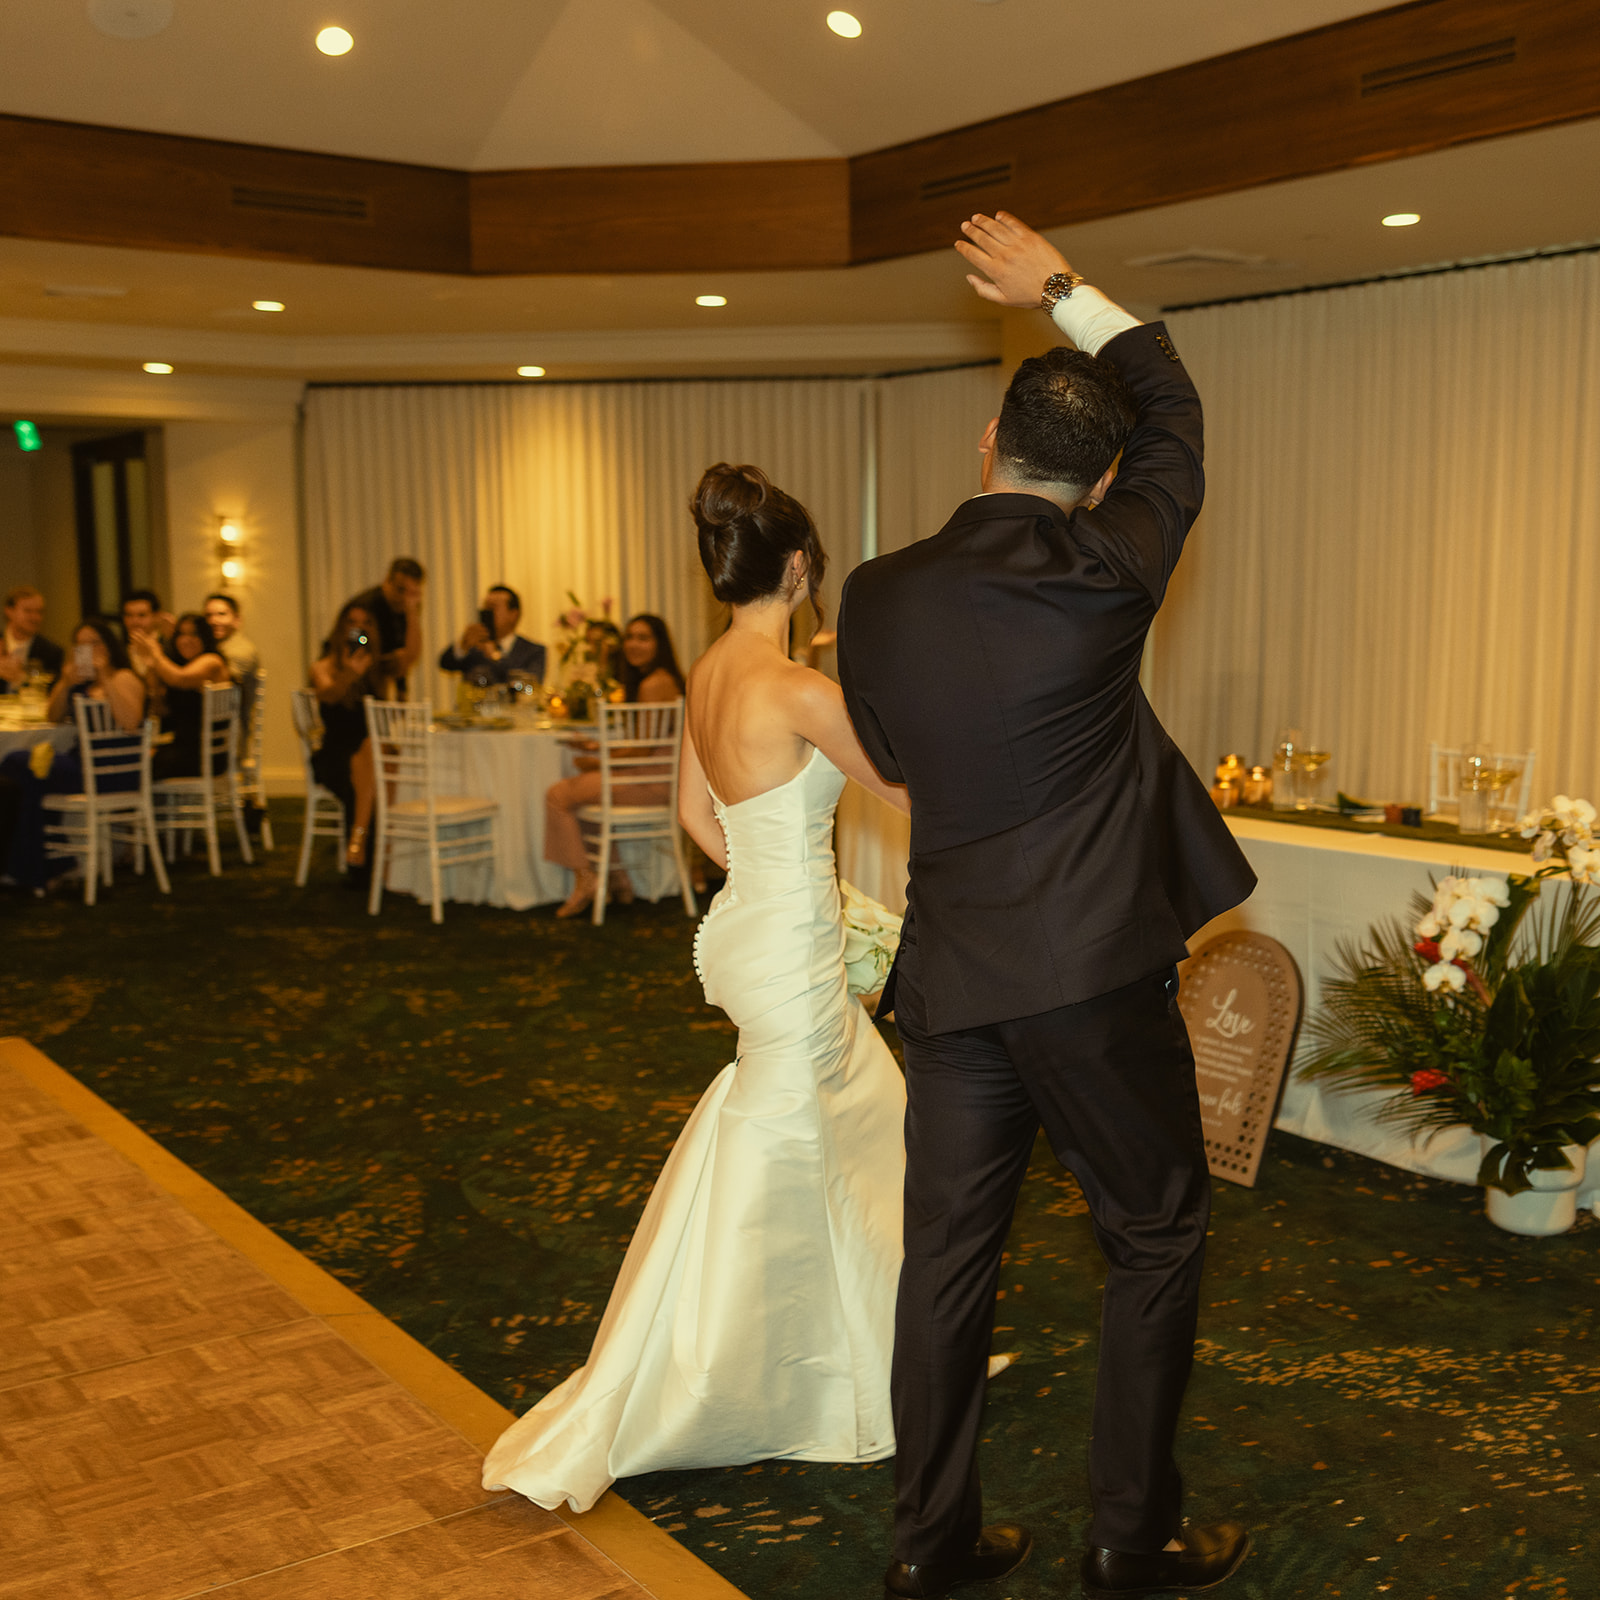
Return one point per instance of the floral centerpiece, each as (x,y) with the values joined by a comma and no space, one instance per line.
(1485,1012)
(582,670)
(871,937)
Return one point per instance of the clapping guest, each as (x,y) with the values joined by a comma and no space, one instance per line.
(96,668)
(648,671)
(23,647)
(491,650)
(178,673)
(244,660)
(351,667)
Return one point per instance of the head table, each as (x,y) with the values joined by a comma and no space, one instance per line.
(1316,887)
(513,766)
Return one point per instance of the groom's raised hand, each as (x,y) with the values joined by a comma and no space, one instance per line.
(1015,258)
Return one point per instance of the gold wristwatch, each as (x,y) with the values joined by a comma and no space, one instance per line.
(1058,286)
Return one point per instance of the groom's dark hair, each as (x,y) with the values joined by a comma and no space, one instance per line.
(1064,420)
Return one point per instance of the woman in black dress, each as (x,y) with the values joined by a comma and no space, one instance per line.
(177,673)
(349,669)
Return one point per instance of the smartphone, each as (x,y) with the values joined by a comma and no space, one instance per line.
(486,618)
(83,662)
(357,639)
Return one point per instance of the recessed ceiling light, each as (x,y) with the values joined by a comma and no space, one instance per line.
(844,25)
(334,41)
(267,305)
(1401,219)
(160,367)
(711,299)
(530,372)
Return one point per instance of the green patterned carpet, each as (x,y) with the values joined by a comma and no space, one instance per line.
(462,1124)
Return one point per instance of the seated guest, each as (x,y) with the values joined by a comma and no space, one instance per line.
(394,611)
(350,668)
(648,670)
(496,652)
(244,660)
(97,667)
(23,647)
(178,673)
(142,613)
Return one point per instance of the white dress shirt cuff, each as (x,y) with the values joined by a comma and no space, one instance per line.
(1090,320)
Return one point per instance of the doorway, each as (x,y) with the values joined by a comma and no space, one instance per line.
(111,495)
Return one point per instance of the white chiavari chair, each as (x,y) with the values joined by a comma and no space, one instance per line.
(638,744)
(409,814)
(111,810)
(324,814)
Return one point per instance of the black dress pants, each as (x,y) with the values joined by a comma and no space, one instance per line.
(1112,1081)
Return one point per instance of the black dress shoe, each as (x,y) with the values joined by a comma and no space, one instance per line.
(1209,1555)
(1000,1549)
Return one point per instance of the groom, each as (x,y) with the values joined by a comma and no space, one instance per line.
(1062,851)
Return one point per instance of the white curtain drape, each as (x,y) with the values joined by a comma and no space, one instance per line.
(581,487)
(585,487)
(1401,535)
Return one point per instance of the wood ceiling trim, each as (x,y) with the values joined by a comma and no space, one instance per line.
(114,186)
(1401,82)
(1313,103)
(734,216)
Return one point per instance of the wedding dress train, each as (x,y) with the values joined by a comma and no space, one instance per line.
(754,1313)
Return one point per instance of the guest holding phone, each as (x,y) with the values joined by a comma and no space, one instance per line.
(177,673)
(97,668)
(491,650)
(351,667)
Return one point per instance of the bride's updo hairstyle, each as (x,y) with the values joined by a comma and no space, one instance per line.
(748,531)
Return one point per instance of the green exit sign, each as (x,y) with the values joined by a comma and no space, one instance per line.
(27,436)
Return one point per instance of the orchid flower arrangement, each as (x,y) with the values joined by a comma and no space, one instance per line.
(1486,1011)
(585,676)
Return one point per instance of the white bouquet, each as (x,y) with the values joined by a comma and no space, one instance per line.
(871,937)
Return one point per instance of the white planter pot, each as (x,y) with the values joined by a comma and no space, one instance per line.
(1550,1206)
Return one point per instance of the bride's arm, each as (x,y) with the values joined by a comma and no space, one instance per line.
(694,804)
(821,718)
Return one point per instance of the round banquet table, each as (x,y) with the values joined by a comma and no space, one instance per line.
(513,767)
(63,735)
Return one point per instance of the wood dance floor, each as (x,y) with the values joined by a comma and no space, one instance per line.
(187,1404)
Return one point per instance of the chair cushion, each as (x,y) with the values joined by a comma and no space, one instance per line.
(623,813)
(458,808)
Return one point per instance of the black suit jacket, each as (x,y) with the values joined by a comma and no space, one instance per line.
(40,649)
(1061,846)
(524,657)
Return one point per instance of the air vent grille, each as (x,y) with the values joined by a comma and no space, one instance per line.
(303,203)
(1496,53)
(961,182)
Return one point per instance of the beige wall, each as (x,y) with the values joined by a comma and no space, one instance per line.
(244,470)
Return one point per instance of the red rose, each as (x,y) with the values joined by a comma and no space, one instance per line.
(1428,1078)
(1428,949)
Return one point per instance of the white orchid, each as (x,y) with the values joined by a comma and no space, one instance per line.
(1445,974)
(1431,926)
(1493,890)
(1460,942)
(1583,863)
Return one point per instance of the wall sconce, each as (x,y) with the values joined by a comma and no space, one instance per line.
(230,536)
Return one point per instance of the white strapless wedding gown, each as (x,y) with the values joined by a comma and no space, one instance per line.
(754,1313)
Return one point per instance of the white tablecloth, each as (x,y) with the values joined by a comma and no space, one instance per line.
(1317,886)
(63,735)
(513,767)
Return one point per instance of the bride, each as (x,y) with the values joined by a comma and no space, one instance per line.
(754,1313)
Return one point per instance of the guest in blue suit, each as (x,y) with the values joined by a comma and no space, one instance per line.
(491,650)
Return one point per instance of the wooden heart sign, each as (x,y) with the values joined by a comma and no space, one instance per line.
(1241,998)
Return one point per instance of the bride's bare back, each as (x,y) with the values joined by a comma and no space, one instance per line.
(754,717)
(746,706)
